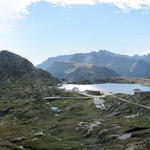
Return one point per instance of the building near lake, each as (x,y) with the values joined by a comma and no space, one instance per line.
(92,92)
(75,89)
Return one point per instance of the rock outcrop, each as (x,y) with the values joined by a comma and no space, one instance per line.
(14,68)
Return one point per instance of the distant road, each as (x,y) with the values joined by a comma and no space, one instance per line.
(87,96)
(57,97)
(121,99)
(129,102)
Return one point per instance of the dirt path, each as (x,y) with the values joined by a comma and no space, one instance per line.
(57,97)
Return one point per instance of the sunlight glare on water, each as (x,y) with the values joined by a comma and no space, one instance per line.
(108,87)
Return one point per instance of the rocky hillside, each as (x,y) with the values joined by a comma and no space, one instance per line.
(78,72)
(124,65)
(18,69)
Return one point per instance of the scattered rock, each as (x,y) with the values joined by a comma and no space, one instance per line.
(54,126)
(111,138)
(86,128)
(102,136)
(18,139)
(38,134)
(132,147)
(4,112)
(131,116)
(8,145)
(21,147)
(78,107)
(56,115)
(135,146)
(114,114)
(108,107)
(147,143)
(123,106)
(125,136)
(102,133)
(2,123)
(71,108)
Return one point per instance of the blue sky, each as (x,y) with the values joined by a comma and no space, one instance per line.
(43,29)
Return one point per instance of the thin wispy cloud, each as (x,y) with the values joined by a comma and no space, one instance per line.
(17,8)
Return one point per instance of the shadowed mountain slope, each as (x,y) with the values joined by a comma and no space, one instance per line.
(76,72)
(51,60)
(124,65)
(18,69)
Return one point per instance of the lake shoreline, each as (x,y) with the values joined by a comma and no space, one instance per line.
(113,88)
(122,80)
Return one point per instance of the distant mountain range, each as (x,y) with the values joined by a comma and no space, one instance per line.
(144,57)
(51,60)
(124,65)
(14,68)
(78,72)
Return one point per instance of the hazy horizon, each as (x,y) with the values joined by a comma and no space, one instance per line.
(41,29)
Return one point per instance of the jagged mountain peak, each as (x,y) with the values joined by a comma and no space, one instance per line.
(121,64)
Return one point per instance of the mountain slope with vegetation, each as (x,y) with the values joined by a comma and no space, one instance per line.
(124,65)
(36,116)
(77,72)
(51,60)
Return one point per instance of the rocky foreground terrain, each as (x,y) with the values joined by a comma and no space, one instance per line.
(30,121)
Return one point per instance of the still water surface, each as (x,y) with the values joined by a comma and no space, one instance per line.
(109,87)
